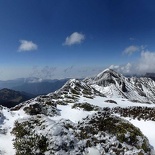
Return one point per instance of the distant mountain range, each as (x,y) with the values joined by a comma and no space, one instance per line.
(150,75)
(35,86)
(10,98)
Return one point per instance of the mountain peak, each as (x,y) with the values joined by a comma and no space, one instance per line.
(111,83)
(106,78)
(108,72)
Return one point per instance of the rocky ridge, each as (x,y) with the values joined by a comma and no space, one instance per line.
(113,84)
(38,126)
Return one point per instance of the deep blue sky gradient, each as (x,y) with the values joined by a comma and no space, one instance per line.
(107,25)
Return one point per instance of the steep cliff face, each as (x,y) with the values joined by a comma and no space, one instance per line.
(112,83)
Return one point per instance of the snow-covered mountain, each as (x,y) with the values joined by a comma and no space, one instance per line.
(113,84)
(82,118)
(10,98)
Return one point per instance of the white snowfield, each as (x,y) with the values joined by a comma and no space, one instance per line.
(75,115)
(113,92)
(6,125)
(147,128)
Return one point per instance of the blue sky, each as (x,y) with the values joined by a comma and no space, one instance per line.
(75,38)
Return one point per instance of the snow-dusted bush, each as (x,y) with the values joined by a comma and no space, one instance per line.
(86,106)
(112,134)
(144,113)
(106,133)
(41,108)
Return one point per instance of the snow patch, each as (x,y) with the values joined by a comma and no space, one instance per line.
(93,151)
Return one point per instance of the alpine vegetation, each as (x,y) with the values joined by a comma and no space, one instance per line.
(94,116)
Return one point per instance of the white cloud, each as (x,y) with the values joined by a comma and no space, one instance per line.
(124,69)
(145,64)
(131,49)
(27,46)
(74,38)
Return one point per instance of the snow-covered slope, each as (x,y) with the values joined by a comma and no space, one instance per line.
(79,119)
(113,84)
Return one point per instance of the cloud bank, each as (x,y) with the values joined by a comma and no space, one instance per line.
(49,72)
(26,45)
(74,38)
(145,64)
